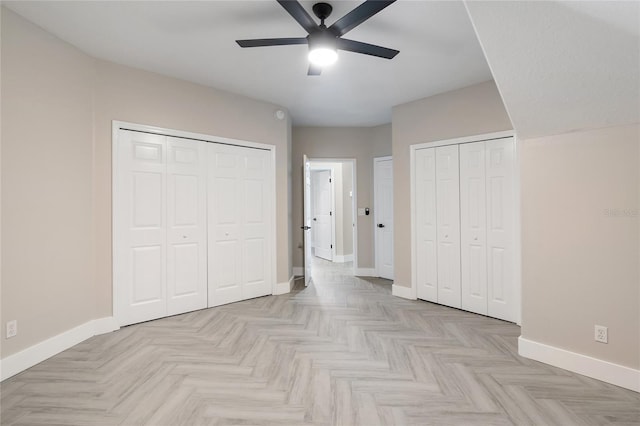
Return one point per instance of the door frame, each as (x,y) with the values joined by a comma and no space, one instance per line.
(320,168)
(354,199)
(376,160)
(117,217)
(517,241)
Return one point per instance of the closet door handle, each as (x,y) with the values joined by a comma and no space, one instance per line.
(305,228)
(380,225)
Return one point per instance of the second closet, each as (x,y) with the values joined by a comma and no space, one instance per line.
(464,207)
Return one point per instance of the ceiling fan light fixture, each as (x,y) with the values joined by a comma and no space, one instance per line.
(322,49)
(323,56)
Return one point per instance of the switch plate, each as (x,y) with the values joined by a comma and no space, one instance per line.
(601,334)
(12,328)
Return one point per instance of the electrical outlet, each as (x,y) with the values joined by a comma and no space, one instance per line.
(12,328)
(602,334)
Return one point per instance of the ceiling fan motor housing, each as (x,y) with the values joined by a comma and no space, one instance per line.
(321,40)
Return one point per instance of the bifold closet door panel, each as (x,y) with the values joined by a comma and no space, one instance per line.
(140,228)
(239,217)
(473,232)
(448,225)
(225,225)
(257,212)
(186,226)
(500,231)
(426,250)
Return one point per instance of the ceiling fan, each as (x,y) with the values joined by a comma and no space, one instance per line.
(323,41)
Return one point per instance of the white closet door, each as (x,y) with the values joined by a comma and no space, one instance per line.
(239,215)
(500,232)
(186,226)
(383,198)
(140,228)
(256,211)
(473,232)
(322,214)
(448,225)
(425,196)
(225,202)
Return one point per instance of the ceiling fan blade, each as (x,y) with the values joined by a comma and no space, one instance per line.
(358,15)
(366,48)
(314,70)
(296,10)
(260,42)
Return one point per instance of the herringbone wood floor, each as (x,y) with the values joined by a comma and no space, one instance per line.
(340,352)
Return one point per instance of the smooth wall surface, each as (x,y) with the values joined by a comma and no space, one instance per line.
(47,228)
(57,110)
(361,143)
(131,95)
(580,243)
(473,110)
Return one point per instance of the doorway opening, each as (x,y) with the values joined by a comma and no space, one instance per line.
(330,217)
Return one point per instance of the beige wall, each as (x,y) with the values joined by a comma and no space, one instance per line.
(57,108)
(580,258)
(469,111)
(360,143)
(47,228)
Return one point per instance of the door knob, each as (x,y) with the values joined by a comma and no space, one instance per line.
(380,225)
(314,219)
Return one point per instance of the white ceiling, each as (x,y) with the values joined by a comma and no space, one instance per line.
(563,66)
(194,41)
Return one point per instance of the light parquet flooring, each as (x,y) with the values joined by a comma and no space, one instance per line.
(342,351)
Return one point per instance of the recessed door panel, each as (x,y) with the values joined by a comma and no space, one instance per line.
(186,269)
(473,231)
(147,199)
(448,225)
(187,199)
(147,272)
(426,253)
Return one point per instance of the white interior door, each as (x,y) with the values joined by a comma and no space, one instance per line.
(426,249)
(383,195)
(239,217)
(140,223)
(186,226)
(306,227)
(322,212)
(448,225)
(473,232)
(500,233)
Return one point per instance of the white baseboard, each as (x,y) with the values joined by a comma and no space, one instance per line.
(285,287)
(343,258)
(18,362)
(400,291)
(365,272)
(605,371)
(298,271)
